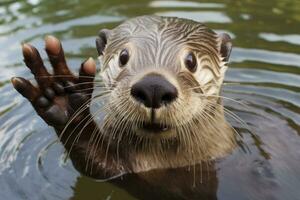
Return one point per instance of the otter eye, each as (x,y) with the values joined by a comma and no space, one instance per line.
(124,57)
(191,62)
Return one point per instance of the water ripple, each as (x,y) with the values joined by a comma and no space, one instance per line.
(264,83)
(184,4)
(272,37)
(203,16)
(279,58)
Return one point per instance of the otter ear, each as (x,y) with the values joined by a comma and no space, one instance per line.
(225,46)
(101,40)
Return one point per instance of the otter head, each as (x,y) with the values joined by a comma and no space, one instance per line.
(164,75)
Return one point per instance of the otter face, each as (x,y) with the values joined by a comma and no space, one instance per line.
(164,74)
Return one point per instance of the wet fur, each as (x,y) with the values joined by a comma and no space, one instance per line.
(158,45)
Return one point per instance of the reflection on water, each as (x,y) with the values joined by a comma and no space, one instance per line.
(264,68)
(200,16)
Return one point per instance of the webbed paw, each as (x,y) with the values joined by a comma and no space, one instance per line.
(60,96)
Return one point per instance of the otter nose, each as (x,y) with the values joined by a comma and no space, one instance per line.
(153,91)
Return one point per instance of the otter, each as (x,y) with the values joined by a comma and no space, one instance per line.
(156,106)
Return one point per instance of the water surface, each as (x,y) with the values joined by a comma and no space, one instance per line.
(265,67)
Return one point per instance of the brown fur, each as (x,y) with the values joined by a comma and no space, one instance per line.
(199,131)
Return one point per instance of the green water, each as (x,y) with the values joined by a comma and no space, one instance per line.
(265,63)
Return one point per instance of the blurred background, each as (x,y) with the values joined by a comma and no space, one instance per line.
(265,65)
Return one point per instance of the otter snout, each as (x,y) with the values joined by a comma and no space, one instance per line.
(153,90)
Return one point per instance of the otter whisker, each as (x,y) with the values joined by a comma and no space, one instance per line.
(90,94)
(118,124)
(104,107)
(95,84)
(75,115)
(185,126)
(132,115)
(213,84)
(68,76)
(234,116)
(96,130)
(237,118)
(90,89)
(99,138)
(238,134)
(195,136)
(227,98)
(82,120)
(93,135)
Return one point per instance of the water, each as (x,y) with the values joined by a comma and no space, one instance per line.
(265,62)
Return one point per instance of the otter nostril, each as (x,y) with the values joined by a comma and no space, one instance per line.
(140,96)
(138,92)
(168,97)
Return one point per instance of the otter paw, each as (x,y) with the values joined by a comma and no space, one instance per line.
(57,96)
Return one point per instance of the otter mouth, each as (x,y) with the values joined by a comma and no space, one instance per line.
(154,128)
